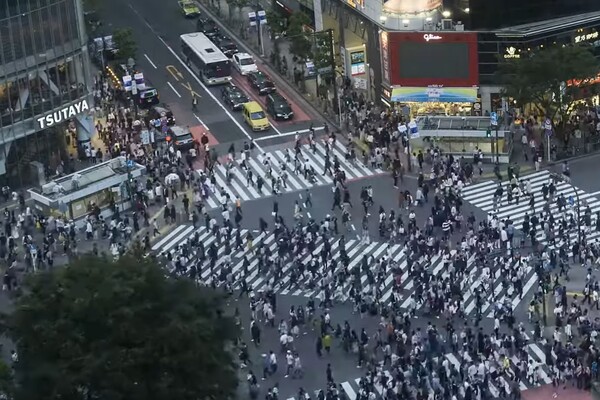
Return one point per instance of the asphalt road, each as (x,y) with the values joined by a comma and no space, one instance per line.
(157,26)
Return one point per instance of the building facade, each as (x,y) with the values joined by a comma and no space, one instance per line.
(44,85)
(441,56)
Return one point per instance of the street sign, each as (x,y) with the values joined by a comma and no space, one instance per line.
(414,129)
(129,164)
(252,18)
(262,17)
(127,82)
(493,118)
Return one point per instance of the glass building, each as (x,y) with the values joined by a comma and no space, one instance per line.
(44,85)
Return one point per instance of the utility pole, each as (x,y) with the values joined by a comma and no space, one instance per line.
(336,96)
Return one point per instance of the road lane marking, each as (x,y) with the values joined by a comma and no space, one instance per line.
(174,72)
(212,96)
(193,93)
(150,61)
(175,90)
(201,123)
(275,129)
(284,134)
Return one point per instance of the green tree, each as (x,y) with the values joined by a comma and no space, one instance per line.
(237,4)
(125,43)
(549,80)
(322,50)
(121,330)
(300,42)
(7,388)
(277,23)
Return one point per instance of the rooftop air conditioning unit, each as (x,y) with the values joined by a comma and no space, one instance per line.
(48,188)
(446,24)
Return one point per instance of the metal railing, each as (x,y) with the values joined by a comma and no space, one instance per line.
(453,123)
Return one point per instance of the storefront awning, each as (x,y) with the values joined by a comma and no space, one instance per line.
(434,94)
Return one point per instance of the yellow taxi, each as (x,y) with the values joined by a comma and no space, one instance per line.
(255,117)
(189,9)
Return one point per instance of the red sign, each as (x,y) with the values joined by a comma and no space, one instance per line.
(422,59)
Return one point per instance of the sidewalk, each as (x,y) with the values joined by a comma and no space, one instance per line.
(236,24)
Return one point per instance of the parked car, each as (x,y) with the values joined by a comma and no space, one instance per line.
(207,26)
(189,9)
(244,63)
(226,45)
(261,82)
(279,107)
(255,117)
(234,97)
(159,112)
(148,97)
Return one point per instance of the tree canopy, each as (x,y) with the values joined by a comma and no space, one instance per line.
(98,329)
(550,79)
(300,44)
(125,43)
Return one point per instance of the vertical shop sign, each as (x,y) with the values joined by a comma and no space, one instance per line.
(385,56)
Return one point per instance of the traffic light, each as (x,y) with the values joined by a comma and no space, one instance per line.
(488,132)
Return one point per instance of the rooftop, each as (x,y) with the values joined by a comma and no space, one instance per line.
(85,178)
(536,28)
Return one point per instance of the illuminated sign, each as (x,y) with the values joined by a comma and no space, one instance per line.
(357,62)
(429,36)
(356,3)
(586,37)
(511,52)
(410,6)
(385,56)
(63,114)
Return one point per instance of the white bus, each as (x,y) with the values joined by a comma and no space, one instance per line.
(205,59)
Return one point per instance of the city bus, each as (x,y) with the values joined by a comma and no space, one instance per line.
(205,59)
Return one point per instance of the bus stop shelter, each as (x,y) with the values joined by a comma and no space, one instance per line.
(95,187)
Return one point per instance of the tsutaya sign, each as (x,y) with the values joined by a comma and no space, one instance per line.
(63,114)
(429,36)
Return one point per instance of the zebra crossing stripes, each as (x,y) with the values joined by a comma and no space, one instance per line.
(240,187)
(497,388)
(481,195)
(356,251)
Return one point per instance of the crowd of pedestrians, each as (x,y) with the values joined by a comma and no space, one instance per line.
(456,357)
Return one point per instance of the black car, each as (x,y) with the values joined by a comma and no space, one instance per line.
(234,97)
(226,45)
(278,107)
(207,26)
(148,97)
(261,82)
(158,113)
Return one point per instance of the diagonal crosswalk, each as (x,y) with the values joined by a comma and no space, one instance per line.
(239,187)
(498,387)
(356,251)
(481,195)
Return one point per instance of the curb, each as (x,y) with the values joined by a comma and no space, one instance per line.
(573,158)
(278,80)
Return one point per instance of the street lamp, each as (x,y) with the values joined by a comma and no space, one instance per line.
(565,179)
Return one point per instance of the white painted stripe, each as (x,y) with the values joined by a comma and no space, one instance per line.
(167,238)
